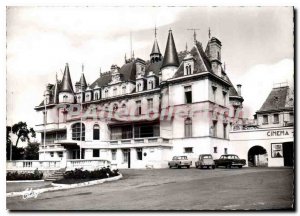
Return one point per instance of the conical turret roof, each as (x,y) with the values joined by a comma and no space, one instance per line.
(170,57)
(82,81)
(155,48)
(66,83)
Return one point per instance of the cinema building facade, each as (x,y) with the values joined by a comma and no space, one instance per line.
(144,112)
(269,140)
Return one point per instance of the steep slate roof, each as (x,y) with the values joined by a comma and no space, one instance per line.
(102,81)
(66,81)
(155,48)
(170,57)
(82,80)
(276,99)
(52,97)
(155,67)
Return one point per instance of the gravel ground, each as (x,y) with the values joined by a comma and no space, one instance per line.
(175,189)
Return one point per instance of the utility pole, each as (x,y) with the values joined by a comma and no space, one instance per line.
(195,34)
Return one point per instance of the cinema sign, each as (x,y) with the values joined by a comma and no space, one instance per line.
(280,133)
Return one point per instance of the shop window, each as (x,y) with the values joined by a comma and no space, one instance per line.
(139,152)
(96,152)
(188,150)
(188,94)
(277,150)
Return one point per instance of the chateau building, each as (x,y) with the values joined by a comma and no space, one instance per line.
(144,112)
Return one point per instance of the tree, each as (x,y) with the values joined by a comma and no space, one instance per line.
(22,132)
(32,151)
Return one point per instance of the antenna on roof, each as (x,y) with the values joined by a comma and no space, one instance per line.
(194,35)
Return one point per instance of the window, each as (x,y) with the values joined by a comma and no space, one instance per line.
(225,151)
(188,150)
(276,118)
(125,155)
(224,97)
(188,94)
(291,117)
(146,130)
(224,131)
(215,149)
(65,98)
(265,119)
(96,132)
(113,154)
(139,87)
(76,131)
(115,91)
(188,127)
(51,154)
(124,90)
(151,84)
(214,129)
(150,104)
(214,91)
(219,57)
(60,154)
(138,108)
(115,107)
(96,96)
(139,153)
(106,93)
(96,152)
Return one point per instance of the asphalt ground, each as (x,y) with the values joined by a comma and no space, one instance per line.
(175,189)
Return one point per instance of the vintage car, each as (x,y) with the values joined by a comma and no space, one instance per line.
(180,161)
(230,160)
(205,160)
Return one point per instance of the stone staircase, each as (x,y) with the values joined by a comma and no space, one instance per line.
(57,175)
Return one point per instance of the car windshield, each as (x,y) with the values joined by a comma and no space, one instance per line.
(182,158)
(206,157)
(230,157)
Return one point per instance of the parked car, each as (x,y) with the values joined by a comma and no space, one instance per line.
(230,160)
(205,160)
(180,161)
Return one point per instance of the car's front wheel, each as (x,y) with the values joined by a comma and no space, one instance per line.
(228,166)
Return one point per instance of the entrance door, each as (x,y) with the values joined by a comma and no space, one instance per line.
(257,157)
(128,155)
(288,153)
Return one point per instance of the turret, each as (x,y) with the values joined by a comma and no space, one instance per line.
(66,93)
(170,61)
(155,55)
(213,51)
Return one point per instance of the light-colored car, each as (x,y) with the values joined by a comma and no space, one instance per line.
(205,160)
(180,161)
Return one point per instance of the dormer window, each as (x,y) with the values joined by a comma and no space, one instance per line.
(188,69)
(151,84)
(115,91)
(96,96)
(65,98)
(124,90)
(139,87)
(106,93)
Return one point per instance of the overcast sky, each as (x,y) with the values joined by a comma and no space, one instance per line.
(257,45)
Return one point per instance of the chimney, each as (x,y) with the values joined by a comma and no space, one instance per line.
(239,86)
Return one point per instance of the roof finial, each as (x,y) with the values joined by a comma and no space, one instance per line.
(224,67)
(125,58)
(186,47)
(82,68)
(209,33)
(155,31)
(133,54)
(195,34)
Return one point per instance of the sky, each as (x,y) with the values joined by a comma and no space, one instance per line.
(257,46)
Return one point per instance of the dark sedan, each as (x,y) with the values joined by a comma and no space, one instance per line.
(230,160)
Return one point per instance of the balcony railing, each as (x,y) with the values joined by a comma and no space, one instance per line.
(32,165)
(87,164)
(150,140)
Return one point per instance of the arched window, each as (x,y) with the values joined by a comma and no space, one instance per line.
(188,127)
(65,98)
(151,84)
(187,70)
(76,131)
(96,96)
(190,69)
(96,132)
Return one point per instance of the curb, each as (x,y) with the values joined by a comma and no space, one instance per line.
(20,181)
(64,187)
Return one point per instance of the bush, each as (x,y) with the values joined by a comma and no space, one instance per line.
(104,172)
(15,176)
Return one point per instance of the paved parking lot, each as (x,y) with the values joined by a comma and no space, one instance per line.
(175,189)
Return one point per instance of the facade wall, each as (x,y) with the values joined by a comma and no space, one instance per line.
(242,141)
